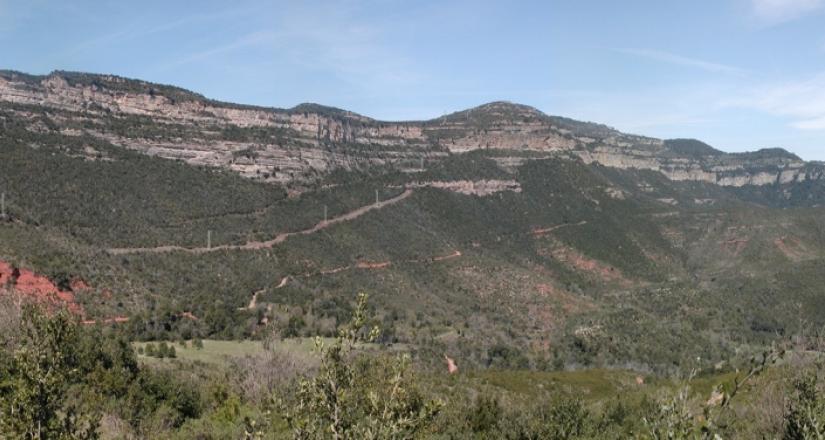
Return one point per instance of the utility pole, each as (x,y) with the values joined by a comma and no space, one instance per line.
(209,239)
(376,196)
(3,205)
(325,213)
(422,162)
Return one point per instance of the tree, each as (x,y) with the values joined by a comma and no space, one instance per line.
(343,401)
(806,415)
(294,326)
(34,384)
(675,420)
(484,415)
(163,350)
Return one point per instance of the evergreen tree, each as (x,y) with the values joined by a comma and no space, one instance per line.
(35,381)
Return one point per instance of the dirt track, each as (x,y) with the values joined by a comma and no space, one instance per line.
(255,245)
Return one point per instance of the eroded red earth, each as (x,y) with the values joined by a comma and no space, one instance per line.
(41,290)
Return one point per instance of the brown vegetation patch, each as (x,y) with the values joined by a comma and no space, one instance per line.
(579,261)
(569,302)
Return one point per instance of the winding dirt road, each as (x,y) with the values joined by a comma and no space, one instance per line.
(543,231)
(255,245)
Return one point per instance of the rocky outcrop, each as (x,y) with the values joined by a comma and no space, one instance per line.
(477,188)
(270,144)
(309,140)
(726,170)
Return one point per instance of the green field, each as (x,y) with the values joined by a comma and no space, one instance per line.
(220,352)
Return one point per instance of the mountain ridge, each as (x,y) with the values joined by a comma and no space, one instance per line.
(307,141)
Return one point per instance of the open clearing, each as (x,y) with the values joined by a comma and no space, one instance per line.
(221,352)
(218,352)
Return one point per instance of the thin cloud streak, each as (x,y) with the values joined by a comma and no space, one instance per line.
(801,101)
(133,32)
(329,41)
(670,58)
(774,12)
(245,41)
(350,49)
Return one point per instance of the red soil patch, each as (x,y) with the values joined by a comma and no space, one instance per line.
(37,287)
(385,264)
(578,261)
(77,284)
(790,247)
(27,284)
(735,245)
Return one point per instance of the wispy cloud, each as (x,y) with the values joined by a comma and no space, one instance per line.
(138,29)
(244,41)
(336,41)
(329,41)
(679,60)
(803,102)
(772,12)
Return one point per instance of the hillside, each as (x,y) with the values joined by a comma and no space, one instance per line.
(501,235)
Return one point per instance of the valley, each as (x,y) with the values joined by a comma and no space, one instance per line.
(562,224)
(521,246)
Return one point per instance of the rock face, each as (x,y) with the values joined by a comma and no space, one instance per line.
(310,140)
(469,187)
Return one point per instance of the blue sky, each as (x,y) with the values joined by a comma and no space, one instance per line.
(738,74)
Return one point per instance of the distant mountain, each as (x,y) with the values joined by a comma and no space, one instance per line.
(310,140)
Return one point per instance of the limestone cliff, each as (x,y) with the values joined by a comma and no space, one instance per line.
(309,140)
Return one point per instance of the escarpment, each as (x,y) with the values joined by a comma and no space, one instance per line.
(309,140)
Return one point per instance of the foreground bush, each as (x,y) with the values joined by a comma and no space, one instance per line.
(59,380)
(366,400)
